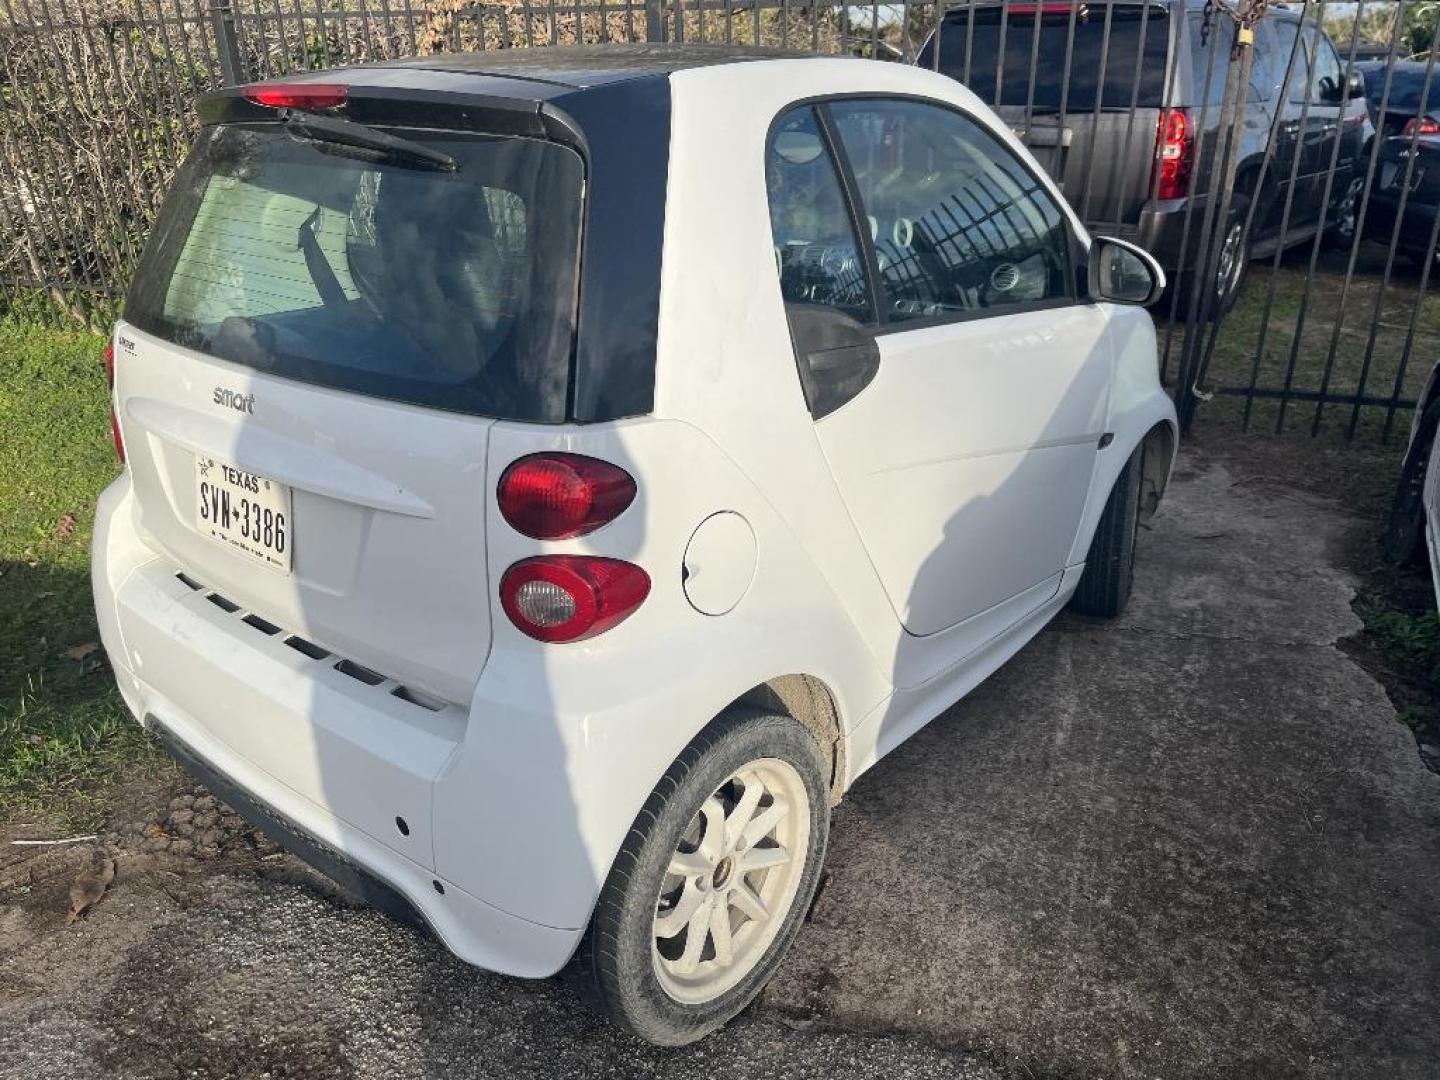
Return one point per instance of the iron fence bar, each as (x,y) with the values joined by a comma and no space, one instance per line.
(58,167)
(1307,395)
(1172,78)
(1096,114)
(1214,225)
(1276,124)
(1420,296)
(1000,52)
(1311,48)
(80,105)
(1034,64)
(1197,155)
(1130,121)
(39,254)
(1355,241)
(1063,156)
(935,35)
(1394,243)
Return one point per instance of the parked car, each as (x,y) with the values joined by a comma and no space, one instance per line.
(1413,163)
(1412,529)
(553,477)
(1408,104)
(1145,89)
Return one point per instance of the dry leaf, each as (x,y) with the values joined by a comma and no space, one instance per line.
(156,829)
(65,526)
(80,652)
(90,886)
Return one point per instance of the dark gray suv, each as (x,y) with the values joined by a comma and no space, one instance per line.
(1119,125)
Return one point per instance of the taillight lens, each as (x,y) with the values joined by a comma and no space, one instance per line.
(297,95)
(110,385)
(1174,154)
(1421,125)
(557,496)
(557,598)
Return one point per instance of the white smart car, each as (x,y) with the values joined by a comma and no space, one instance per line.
(554,477)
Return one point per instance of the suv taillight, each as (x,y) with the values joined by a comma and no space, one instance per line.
(557,598)
(1421,125)
(110,385)
(1174,154)
(555,496)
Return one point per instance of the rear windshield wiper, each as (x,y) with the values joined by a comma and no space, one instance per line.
(335,136)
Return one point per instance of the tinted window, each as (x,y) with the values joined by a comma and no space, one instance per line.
(1211,43)
(1286,35)
(959,224)
(450,289)
(815,247)
(1010,84)
(1325,72)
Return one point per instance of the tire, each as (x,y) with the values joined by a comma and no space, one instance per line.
(629,963)
(1109,574)
(1403,541)
(1341,232)
(1225,287)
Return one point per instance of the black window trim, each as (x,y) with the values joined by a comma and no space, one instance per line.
(882,324)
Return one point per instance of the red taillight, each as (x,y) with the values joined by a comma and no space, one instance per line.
(1421,125)
(556,598)
(1174,154)
(297,95)
(556,496)
(110,385)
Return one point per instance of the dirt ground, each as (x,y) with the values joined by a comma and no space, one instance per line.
(1192,843)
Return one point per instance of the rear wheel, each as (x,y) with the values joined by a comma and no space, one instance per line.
(712,883)
(1341,233)
(1109,575)
(1405,526)
(1230,267)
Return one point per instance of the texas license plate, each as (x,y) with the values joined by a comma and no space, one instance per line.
(244,511)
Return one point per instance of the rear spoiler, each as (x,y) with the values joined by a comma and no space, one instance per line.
(404,107)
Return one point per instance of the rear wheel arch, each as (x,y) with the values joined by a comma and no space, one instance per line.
(808,701)
(1160,445)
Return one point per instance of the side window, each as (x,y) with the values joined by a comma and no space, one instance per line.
(1211,46)
(816,252)
(1299,87)
(959,224)
(1326,82)
(1286,34)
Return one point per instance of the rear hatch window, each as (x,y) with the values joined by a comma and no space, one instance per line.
(1000,50)
(447,287)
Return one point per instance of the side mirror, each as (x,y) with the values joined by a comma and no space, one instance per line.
(1355,87)
(1121,273)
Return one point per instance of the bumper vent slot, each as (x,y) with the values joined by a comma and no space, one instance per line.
(269,629)
(358,672)
(414,697)
(309,648)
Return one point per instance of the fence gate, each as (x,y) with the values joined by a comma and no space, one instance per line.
(1265,153)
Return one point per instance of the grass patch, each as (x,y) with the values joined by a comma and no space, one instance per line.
(63,728)
(1389,338)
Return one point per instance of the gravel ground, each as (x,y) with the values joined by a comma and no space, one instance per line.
(1195,843)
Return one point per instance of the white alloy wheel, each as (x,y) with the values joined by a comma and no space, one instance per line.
(713,882)
(731,880)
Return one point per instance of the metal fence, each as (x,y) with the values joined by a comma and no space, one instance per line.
(1334,326)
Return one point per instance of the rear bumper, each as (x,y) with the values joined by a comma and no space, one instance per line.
(326,768)
(1415,229)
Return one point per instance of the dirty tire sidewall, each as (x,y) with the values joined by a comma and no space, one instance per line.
(1109,575)
(614,965)
(1405,524)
